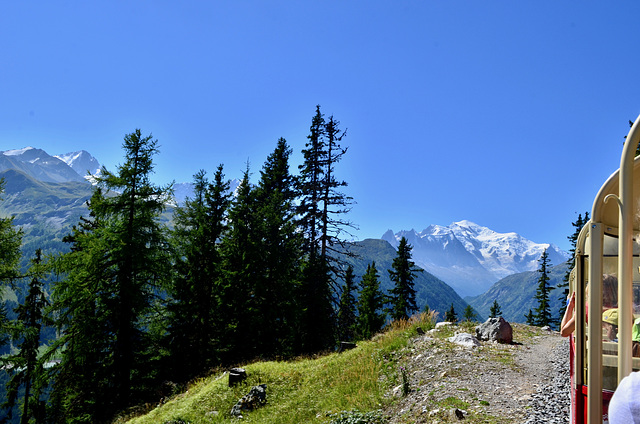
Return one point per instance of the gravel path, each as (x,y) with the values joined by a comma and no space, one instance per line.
(550,403)
(525,382)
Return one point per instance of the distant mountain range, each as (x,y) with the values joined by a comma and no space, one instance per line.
(47,195)
(39,164)
(471,258)
(430,290)
(515,294)
(77,166)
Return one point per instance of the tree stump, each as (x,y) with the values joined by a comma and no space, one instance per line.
(236,375)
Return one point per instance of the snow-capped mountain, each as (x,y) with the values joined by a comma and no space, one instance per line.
(78,166)
(82,162)
(470,258)
(74,166)
(38,164)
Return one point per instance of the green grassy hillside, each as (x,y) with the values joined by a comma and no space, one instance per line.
(299,391)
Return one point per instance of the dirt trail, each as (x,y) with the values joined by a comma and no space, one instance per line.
(490,383)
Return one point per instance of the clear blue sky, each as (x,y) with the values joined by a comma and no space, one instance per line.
(508,114)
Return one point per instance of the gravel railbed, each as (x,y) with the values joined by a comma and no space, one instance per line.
(524,382)
(550,403)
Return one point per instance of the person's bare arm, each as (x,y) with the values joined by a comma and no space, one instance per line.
(569,319)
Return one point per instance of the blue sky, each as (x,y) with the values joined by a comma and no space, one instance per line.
(507,114)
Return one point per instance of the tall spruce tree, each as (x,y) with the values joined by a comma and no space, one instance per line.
(82,304)
(335,203)
(310,185)
(139,252)
(193,313)
(402,273)
(10,242)
(317,321)
(371,316)
(277,277)
(320,210)
(240,258)
(542,313)
(27,368)
(127,249)
(347,307)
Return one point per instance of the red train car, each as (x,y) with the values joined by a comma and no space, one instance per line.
(606,279)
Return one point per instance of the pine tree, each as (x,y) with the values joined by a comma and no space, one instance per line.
(139,253)
(317,298)
(193,322)
(542,313)
(318,321)
(371,316)
(335,203)
(320,209)
(451,315)
(347,308)
(240,258)
(27,368)
(116,269)
(10,242)
(469,314)
(530,318)
(81,303)
(310,183)
(495,310)
(277,278)
(403,272)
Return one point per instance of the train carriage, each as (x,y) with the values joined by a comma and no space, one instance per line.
(605,345)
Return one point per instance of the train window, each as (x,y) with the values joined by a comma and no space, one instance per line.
(610,315)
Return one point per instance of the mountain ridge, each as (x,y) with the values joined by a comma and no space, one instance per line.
(470,258)
(463,255)
(38,164)
(516,294)
(82,162)
(430,290)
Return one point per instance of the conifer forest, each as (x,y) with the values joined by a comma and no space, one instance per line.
(137,301)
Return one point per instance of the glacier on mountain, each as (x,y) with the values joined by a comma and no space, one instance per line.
(17,152)
(470,258)
(38,164)
(82,162)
